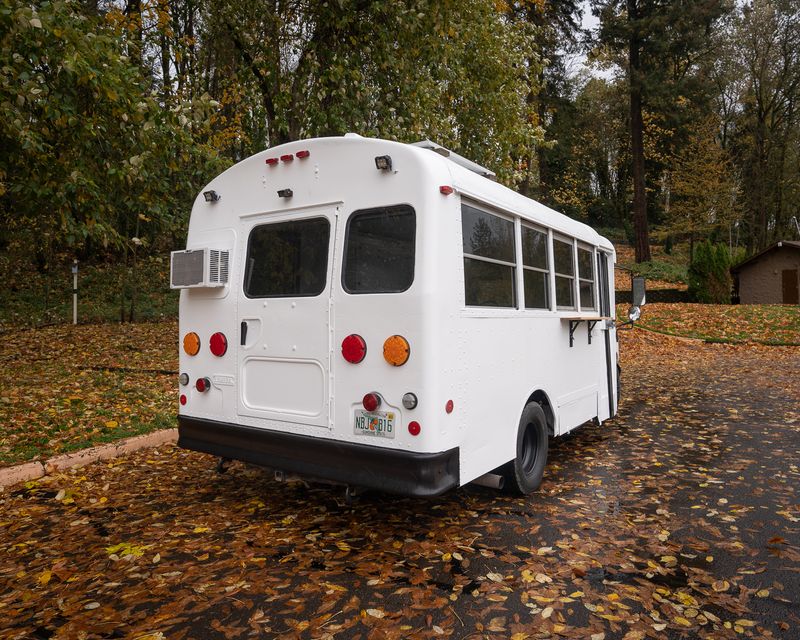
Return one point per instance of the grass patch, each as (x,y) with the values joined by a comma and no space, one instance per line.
(65,390)
(774,325)
(30,298)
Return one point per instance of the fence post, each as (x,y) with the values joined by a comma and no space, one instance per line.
(75,291)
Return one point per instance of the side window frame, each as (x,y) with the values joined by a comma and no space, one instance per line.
(572,277)
(516,294)
(592,281)
(546,271)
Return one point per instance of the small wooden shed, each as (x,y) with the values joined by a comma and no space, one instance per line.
(770,277)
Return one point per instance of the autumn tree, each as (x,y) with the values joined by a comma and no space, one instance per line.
(658,42)
(704,187)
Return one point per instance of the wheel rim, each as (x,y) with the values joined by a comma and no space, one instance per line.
(530,450)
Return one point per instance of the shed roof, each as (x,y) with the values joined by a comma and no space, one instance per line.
(791,244)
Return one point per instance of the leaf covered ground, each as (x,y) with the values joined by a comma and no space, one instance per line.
(69,387)
(763,323)
(680,518)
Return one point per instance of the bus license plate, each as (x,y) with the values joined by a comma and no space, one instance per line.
(377,423)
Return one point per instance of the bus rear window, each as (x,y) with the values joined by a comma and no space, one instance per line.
(287,259)
(379,250)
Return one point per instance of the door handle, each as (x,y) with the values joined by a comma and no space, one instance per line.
(243,333)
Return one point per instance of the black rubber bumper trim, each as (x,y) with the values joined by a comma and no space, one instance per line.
(401,472)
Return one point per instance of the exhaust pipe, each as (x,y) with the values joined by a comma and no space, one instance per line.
(491,480)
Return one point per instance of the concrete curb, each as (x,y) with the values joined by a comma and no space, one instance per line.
(34,470)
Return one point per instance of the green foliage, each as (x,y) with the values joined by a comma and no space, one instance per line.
(90,158)
(659,270)
(709,274)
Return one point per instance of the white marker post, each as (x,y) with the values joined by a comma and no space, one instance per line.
(74,292)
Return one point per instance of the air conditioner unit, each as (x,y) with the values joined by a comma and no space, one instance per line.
(198,268)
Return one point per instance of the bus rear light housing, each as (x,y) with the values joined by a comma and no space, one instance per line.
(354,349)
(371,402)
(191,343)
(202,385)
(396,350)
(218,344)
(184,379)
(410,401)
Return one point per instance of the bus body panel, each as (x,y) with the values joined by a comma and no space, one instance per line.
(285,387)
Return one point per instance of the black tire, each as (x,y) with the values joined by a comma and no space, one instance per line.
(523,474)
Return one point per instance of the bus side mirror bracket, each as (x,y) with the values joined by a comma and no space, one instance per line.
(638,300)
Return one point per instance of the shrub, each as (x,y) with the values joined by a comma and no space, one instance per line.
(709,274)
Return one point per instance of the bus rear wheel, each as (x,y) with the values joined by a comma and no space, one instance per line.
(524,473)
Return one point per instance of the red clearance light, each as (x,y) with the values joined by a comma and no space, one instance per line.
(303,154)
(202,385)
(288,157)
(414,428)
(272,161)
(446,189)
(218,344)
(354,349)
(371,402)
(183,399)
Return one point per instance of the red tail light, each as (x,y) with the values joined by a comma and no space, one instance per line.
(218,344)
(354,349)
(202,385)
(272,161)
(414,428)
(371,402)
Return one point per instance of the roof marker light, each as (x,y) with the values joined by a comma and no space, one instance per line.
(287,157)
(383,163)
(449,406)
(211,196)
(303,154)
(272,161)
(446,189)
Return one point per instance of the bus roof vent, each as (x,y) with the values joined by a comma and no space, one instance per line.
(454,157)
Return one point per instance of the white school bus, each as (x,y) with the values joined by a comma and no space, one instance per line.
(386,316)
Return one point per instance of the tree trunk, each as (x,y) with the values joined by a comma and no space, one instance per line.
(637,146)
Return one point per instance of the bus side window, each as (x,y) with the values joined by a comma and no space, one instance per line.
(586,279)
(565,274)
(489,259)
(535,268)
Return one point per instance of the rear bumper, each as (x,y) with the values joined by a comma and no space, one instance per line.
(389,470)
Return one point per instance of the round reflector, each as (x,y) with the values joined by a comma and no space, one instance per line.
(410,401)
(449,406)
(371,402)
(414,428)
(191,343)
(218,344)
(354,349)
(202,384)
(396,350)
(183,399)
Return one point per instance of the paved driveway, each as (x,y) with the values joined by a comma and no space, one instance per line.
(679,518)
